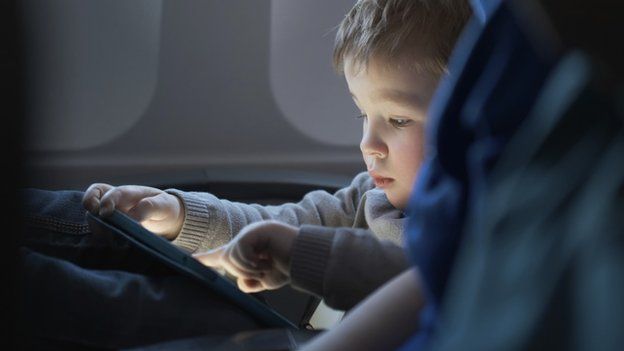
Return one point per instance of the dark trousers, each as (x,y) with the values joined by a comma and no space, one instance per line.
(95,290)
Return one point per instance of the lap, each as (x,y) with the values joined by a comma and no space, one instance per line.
(96,289)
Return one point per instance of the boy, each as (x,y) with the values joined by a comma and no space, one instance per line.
(392,53)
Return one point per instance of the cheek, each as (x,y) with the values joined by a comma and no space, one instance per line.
(412,155)
(412,167)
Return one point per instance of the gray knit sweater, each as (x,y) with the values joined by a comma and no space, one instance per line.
(349,242)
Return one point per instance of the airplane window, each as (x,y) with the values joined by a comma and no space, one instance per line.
(299,47)
(92,69)
(122,88)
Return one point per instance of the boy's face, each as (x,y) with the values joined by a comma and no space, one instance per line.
(393,103)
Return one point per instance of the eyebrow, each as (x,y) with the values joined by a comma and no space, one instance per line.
(399,97)
(402,98)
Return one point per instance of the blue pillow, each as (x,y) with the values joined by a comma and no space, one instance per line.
(497,70)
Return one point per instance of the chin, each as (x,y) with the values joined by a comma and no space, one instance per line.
(396,201)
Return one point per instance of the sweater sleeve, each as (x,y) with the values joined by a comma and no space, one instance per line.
(211,222)
(343,265)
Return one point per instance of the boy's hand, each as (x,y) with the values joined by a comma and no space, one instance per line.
(259,256)
(156,210)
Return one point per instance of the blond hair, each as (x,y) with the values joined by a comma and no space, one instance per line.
(418,33)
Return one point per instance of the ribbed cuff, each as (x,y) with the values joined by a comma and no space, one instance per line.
(309,258)
(196,221)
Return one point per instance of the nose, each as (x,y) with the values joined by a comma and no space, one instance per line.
(372,143)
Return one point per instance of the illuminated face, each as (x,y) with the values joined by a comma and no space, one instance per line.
(393,103)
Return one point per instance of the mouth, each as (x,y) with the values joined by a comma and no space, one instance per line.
(381,182)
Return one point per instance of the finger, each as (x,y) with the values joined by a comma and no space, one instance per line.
(239,272)
(250,285)
(268,244)
(250,265)
(254,244)
(274,280)
(124,198)
(243,254)
(92,196)
(212,258)
(248,259)
(148,208)
(218,258)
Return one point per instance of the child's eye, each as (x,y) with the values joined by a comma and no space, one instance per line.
(360,116)
(400,122)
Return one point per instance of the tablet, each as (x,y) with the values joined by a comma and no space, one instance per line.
(162,250)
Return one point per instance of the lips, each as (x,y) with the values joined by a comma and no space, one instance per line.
(380,181)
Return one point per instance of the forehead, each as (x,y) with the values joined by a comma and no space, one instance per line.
(382,81)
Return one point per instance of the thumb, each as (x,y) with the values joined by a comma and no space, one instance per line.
(155,208)
(212,258)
